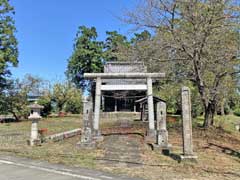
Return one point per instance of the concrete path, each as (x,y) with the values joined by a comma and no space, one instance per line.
(12,168)
(122,148)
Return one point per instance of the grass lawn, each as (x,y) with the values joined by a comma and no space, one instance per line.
(218,149)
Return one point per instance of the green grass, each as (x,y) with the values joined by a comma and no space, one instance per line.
(14,138)
(54,125)
(227,122)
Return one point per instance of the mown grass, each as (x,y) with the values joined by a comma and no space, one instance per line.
(14,138)
(217,148)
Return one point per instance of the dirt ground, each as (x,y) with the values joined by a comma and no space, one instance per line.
(217,151)
(124,151)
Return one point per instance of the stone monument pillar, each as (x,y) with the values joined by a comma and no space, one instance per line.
(87,136)
(187,125)
(161,126)
(34,117)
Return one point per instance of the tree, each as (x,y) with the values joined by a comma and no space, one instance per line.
(46,102)
(114,45)
(60,95)
(33,84)
(65,95)
(74,103)
(197,37)
(86,56)
(141,37)
(14,100)
(8,42)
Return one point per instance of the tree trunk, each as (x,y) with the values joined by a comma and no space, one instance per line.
(16,117)
(60,107)
(209,115)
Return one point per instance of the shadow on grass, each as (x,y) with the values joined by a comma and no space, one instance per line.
(175,157)
(226,150)
(8,120)
(131,162)
(123,134)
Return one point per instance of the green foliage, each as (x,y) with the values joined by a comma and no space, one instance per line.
(86,56)
(67,97)
(15,100)
(141,37)
(74,103)
(195,41)
(114,45)
(237,111)
(197,106)
(8,42)
(170,92)
(47,103)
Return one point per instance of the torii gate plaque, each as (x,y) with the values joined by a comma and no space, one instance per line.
(145,86)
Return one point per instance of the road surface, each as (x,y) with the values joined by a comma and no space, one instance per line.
(12,168)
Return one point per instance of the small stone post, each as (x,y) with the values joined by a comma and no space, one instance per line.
(115,105)
(237,127)
(150,108)
(97,107)
(162,139)
(187,125)
(35,117)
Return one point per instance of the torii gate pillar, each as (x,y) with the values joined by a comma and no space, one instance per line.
(97,107)
(150,108)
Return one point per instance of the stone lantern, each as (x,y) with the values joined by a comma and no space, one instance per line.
(35,117)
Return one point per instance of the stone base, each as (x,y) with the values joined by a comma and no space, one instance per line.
(98,138)
(164,149)
(36,142)
(162,137)
(150,139)
(86,145)
(188,158)
(151,133)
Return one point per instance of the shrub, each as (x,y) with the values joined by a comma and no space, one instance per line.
(237,112)
(46,102)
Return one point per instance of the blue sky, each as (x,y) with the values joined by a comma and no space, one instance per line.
(46,30)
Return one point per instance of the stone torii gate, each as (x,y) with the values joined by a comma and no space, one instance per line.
(146,85)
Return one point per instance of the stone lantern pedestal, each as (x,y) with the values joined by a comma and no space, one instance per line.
(34,117)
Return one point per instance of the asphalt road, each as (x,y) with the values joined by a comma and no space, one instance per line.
(12,168)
